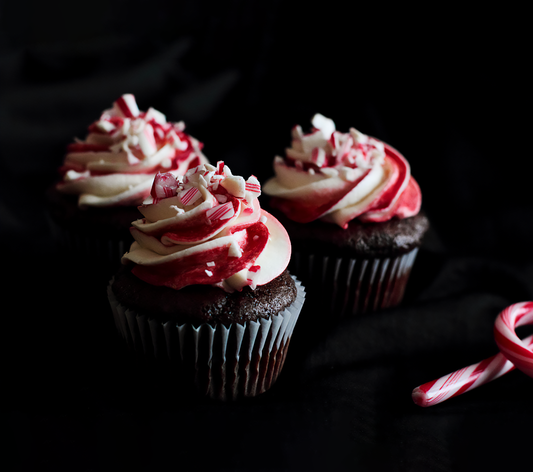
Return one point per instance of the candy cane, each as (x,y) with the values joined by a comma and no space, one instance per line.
(514,352)
(518,352)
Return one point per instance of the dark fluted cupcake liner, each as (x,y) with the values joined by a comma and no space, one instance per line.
(348,286)
(224,363)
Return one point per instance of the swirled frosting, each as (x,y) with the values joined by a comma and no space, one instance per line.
(115,164)
(337,177)
(207,227)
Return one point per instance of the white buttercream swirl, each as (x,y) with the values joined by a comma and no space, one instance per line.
(115,164)
(207,227)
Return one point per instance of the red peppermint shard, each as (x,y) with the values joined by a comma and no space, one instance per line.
(188,197)
(164,186)
(252,186)
(128,106)
(221,212)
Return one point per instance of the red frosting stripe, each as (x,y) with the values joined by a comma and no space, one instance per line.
(410,200)
(191,269)
(401,199)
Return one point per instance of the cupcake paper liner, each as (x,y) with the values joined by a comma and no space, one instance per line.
(224,363)
(347,286)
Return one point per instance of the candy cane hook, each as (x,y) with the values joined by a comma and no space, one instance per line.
(514,352)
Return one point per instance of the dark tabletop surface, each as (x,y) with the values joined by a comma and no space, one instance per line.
(446,87)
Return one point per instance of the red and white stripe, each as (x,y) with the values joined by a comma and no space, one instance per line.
(221,212)
(164,186)
(127,106)
(189,196)
(147,140)
(514,352)
(519,352)
(252,185)
(318,156)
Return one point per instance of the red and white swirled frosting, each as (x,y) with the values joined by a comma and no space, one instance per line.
(337,177)
(207,227)
(124,149)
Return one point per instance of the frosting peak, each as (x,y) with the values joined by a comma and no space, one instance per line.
(121,153)
(207,227)
(338,176)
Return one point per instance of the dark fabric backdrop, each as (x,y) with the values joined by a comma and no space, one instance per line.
(449,88)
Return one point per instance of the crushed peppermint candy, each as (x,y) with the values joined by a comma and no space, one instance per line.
(235,185)
(221,212)
(164,186)
(189,196)
(219,181)
(127,106)
(125,129)
(234,250)
(325,148)
(318,156)
(252,185)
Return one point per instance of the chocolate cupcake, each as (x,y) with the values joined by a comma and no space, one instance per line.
(352,211)
(108,174)
(205,286)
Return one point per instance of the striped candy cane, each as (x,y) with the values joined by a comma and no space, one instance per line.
(514,352)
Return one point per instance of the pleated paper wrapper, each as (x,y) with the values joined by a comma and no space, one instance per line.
(224,363)
(345,286)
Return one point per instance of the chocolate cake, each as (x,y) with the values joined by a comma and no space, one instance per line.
(197,304)
(388,238)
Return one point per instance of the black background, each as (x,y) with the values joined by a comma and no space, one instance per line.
(448,87)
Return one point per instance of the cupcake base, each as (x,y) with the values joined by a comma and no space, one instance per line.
(348,286)
(224,363)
